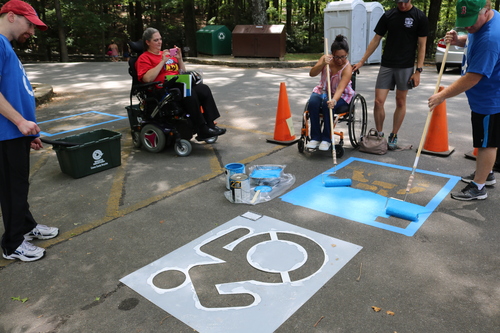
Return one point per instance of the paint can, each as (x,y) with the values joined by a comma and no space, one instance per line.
(231,169)
(240,188)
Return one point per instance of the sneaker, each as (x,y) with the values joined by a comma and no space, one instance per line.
(42,232)
(392,143)
(313,144)
(490,180)
(324,145)
(26,252)
(470,192)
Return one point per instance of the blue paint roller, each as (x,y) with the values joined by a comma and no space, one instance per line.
(403,209)
(336,182)
(258,190)
(332,181)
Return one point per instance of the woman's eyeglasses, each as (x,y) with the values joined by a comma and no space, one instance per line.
(339,58)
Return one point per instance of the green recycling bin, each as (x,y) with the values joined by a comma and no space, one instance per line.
(94,151)
(214,40)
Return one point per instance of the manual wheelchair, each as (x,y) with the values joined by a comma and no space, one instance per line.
(355,114)
(158,120)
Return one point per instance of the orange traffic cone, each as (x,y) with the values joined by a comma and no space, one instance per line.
(283,130)
(472,155)
(436,141)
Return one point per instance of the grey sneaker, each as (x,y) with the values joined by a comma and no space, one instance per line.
(470,192)
(26,252)
(490,180)
(42,232)
(392,143)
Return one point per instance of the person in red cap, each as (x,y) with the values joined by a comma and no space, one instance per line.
(18,133)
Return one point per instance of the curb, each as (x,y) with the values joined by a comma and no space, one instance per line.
(250,62)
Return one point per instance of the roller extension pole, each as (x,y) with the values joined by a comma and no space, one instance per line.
(332,181)
(427,122)
(329,85)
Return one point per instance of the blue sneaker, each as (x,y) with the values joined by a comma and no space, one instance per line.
(392,143)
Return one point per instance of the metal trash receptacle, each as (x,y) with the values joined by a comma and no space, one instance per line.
(95,151)
(259,41)
(214,40)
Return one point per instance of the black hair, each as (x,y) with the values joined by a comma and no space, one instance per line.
(340,43)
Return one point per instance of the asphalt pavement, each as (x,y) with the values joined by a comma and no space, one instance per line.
(155,211)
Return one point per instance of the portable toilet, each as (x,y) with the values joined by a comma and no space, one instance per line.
(374,11)
(348,18)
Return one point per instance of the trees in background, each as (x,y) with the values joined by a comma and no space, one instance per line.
(88,26)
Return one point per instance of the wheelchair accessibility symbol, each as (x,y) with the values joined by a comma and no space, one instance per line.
(248,275)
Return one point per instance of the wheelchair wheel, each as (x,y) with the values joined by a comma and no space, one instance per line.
(300,145)
(358,115)
(339,150)
(136,139)
(183,148)
(152,138)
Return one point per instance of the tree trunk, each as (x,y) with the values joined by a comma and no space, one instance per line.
(62,34)
(289,17)
(259,15)
(190,29)
(434,9)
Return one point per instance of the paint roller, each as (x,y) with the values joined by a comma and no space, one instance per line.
(331,180)
(403,209)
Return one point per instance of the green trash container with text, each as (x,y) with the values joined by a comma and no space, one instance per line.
(214,40)
(94,151)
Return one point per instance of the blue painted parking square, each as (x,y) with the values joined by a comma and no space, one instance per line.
(373,183)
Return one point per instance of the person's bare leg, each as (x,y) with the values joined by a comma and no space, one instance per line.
(400,112)
(379,110)
(485,160)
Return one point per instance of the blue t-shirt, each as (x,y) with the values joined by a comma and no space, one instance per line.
(482,56)
(16,88)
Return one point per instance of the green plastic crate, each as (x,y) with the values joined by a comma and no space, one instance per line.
(96,151)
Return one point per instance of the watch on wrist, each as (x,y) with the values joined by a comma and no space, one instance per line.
(419,69)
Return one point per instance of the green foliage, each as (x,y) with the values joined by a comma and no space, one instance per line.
(90,25)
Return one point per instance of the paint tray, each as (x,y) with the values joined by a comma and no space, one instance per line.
(267,175)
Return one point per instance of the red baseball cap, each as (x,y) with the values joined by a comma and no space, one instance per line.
(19,7)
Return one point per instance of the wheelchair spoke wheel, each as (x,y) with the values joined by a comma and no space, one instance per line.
(153,139)
(183,148)
(358,115)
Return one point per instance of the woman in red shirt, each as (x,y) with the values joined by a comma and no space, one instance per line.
(154,64)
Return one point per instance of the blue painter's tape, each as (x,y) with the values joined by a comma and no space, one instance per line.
(314,195)
(115,118)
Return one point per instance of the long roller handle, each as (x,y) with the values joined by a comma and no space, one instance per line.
(329,85)
(426,126)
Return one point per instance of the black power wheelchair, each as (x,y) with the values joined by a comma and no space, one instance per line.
(354,114)
(158,120)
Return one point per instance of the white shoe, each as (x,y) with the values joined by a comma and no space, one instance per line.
(26,252)
(313,144)
(42,232)
(324,145)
